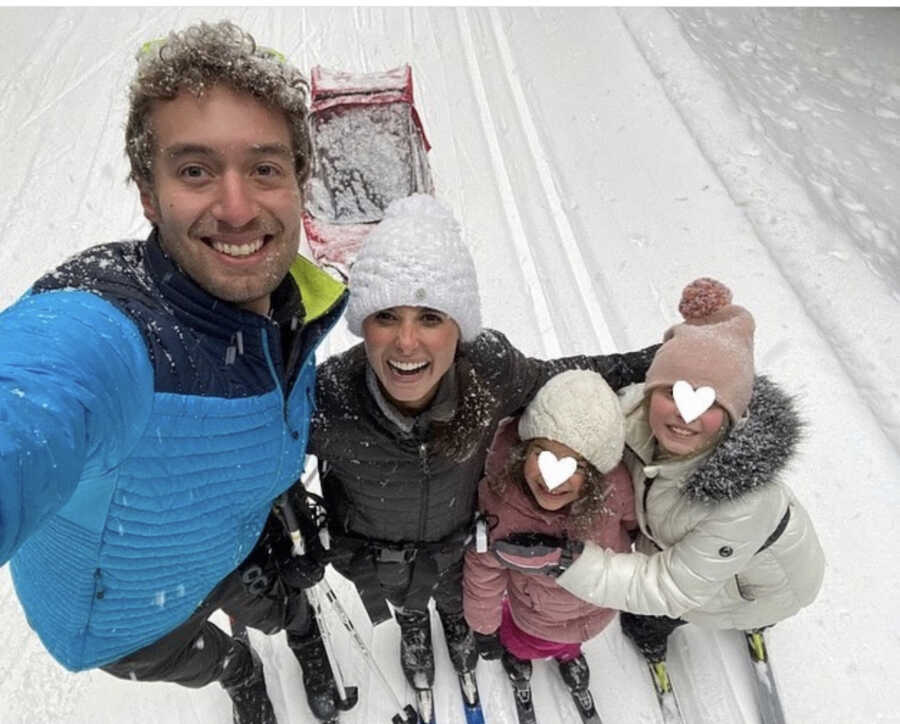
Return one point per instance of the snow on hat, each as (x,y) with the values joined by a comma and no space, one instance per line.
(415,257)
(713,347)
(578,409)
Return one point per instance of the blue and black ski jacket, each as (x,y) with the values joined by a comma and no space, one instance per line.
(145,429)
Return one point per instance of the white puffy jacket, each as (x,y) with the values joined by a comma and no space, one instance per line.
(724,544)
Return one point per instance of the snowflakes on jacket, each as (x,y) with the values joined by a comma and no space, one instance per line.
(155,424)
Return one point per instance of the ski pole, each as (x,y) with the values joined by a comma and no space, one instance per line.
(408,714)
(347,696)
(346,700)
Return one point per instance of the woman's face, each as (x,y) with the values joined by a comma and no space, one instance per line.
(410,349)
(566,492)
(673,433)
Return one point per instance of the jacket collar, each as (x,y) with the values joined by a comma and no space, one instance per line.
(441,409)
(750,456)
(209,314)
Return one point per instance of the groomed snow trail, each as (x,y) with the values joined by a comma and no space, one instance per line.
(598,163)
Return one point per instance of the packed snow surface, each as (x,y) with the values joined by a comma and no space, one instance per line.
(599,159)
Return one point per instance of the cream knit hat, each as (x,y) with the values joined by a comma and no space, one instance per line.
(578,409)
(415,257)
(713,347)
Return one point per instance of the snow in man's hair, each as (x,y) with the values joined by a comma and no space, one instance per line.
(200,57)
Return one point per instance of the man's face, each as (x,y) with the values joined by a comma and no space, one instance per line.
(224,194)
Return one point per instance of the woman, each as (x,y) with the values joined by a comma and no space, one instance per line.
(404,421)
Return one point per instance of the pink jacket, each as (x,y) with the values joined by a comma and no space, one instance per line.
(538,605)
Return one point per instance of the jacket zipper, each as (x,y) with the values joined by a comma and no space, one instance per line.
(647,483)
(273,370)
(426,487)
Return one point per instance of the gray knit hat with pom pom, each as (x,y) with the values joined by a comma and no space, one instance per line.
(415,257)
(713,347)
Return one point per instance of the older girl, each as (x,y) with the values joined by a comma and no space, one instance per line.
(724,542)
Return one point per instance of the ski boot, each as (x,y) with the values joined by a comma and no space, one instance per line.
(416,652)
(649,633)
(460,642)
(244,682)
(577,676)
(463,655)
(519,673)
(318,679)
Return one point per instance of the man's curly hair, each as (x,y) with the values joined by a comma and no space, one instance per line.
(198,58)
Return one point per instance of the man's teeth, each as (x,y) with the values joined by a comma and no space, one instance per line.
(238,249)
(408,367)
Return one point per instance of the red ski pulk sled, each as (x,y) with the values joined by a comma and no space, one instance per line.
(369,148)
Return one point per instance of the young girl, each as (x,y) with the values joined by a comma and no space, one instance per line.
(723,543)
(561,476)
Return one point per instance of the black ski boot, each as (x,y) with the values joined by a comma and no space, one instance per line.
(518,670)
(575,673)
(318,679)
(460,642)
(244,682)
(416,652)
(577,676)
(519,673)
(649,633)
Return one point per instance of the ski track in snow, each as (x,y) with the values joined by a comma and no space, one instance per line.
(525,258)
(761,170)
(599,159)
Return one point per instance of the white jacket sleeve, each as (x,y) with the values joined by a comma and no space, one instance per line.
(684,576)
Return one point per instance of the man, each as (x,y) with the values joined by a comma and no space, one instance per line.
(155,395)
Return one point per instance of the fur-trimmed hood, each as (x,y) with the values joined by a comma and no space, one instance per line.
(751,455)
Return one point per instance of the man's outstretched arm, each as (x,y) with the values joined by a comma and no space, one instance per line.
(75,392)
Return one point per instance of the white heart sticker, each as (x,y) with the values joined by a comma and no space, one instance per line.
(692,403)
(555,471)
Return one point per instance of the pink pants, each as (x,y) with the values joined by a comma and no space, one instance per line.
(523,645)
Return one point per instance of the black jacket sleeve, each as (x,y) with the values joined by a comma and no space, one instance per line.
(516,378)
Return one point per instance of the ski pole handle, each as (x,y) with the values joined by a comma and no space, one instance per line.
(293,525)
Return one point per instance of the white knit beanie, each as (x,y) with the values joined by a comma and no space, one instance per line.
(578,409)
(415,257)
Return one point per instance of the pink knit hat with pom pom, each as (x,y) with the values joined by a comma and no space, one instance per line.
(713,347)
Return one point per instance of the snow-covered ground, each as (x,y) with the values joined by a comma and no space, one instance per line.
(599,160)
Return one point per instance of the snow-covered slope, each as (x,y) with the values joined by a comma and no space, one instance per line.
(599,160)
